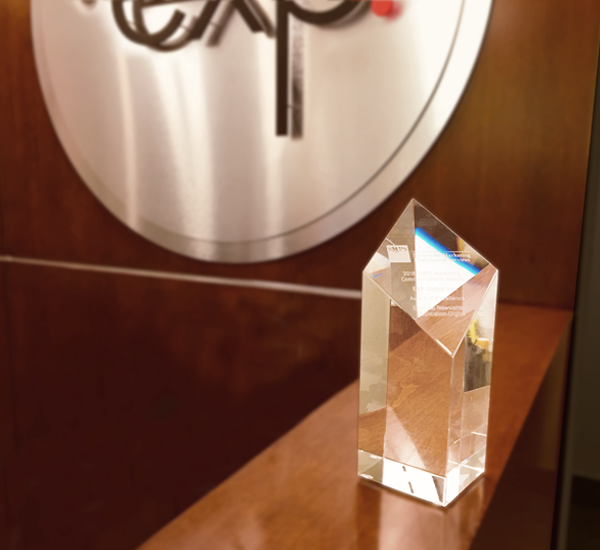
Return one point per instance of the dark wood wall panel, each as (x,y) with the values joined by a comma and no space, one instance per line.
(135,396)
(508,173)
(7,435)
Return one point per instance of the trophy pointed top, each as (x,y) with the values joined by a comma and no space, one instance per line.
(422,262)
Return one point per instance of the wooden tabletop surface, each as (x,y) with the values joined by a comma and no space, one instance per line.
(303,492)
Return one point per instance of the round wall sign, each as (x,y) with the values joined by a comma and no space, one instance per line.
(248,130)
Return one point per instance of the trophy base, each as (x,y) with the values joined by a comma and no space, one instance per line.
(419,483)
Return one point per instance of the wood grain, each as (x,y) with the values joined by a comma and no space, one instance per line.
(134,397)
(520,515)
(303,492)
(418,397)
(7,432)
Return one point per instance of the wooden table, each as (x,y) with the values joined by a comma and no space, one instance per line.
(303,492)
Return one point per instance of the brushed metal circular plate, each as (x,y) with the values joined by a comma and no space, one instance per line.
(181,145)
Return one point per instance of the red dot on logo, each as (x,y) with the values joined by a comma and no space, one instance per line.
(382,7)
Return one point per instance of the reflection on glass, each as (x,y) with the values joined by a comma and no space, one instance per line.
(428,313)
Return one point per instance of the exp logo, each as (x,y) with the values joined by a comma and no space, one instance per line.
(176,32)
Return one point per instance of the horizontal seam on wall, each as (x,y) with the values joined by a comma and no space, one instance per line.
(202,279)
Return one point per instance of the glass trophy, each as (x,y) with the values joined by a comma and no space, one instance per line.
(427,343)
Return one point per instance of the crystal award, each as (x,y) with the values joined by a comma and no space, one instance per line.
(427,342)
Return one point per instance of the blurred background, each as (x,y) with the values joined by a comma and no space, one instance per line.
(129,390)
